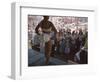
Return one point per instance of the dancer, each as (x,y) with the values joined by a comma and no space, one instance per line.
(47,28)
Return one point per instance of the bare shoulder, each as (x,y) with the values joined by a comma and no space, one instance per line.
(50,22)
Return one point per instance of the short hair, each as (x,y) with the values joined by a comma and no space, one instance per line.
(46,16)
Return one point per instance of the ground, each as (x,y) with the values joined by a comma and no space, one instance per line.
(36,58)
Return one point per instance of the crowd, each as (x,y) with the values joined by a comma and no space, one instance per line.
(69,43)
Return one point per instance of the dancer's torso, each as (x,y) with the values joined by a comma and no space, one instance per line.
(46,26)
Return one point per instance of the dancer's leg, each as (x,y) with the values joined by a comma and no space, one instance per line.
(48,49)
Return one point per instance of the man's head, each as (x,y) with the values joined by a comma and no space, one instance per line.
(46,17)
